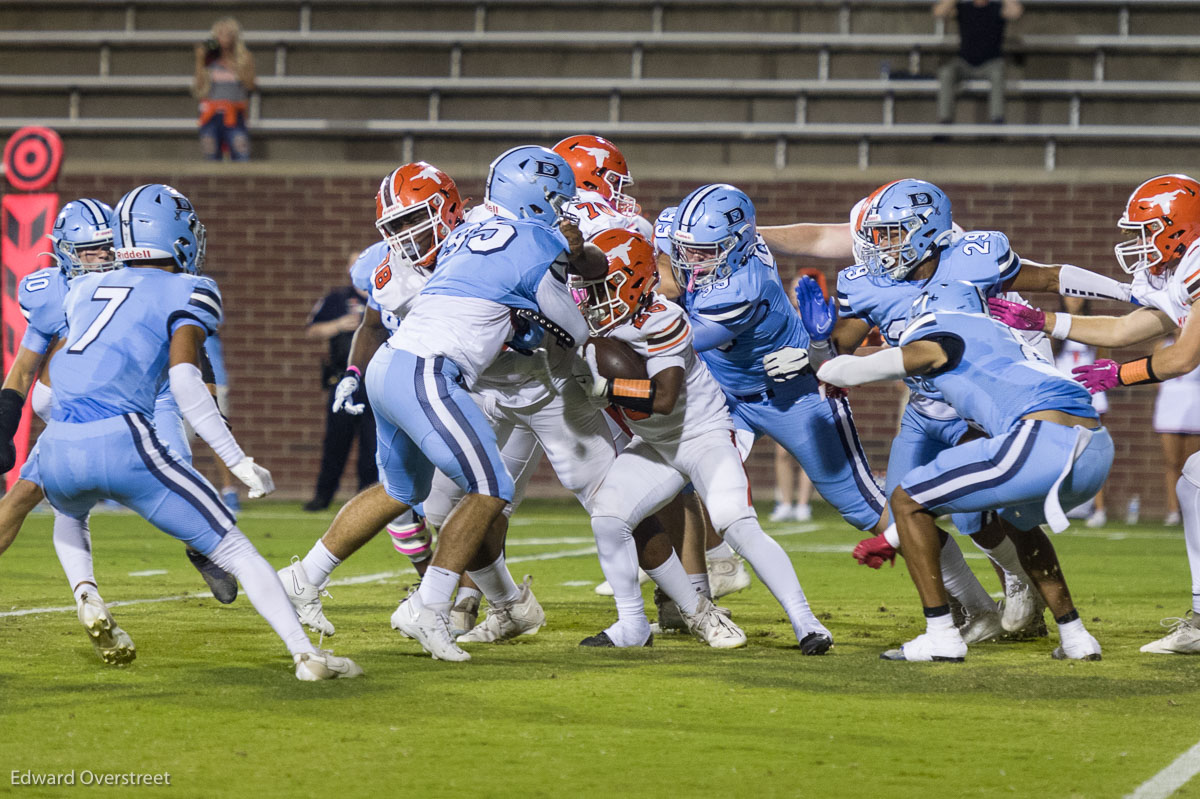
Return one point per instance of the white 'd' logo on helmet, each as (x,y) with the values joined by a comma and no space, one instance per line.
(621,251)
(598,153)
(430,173)
(1163,201)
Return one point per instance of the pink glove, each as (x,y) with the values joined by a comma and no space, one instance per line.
(874,551)
(1016,315)
(1099,376)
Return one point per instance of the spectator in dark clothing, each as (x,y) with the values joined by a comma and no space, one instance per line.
(334,319)
(980,51)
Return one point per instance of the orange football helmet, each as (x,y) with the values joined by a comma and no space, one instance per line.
(416,208)
(627,287)
(1164,213)
(599,166)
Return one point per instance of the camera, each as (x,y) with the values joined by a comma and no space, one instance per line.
(212,50)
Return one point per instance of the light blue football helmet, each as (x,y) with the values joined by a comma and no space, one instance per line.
(662,230)
(83,225)
(903,223)
(713,235)
(948,295)
(529,182)
(156,221)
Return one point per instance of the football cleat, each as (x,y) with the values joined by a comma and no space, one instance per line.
(727,576)
(1183,638)
(464,615)
(324,665)
(983,626)
(604,589)
(305,597)
(1080,647)
(601,640)
(802,513)
(503,621)
(113,644)
(781,513)
(430,629)
(223,585)
(669,616)
(816,643)
(1021,603)
(947,647)
(714,629)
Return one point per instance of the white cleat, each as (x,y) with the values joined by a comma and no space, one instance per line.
(948,647)
(1098,519)
(430,629)
(801,513)
(604,589)
(713,628)
(305,597)
(1080,647)
(1021,604)
(522,617)
(324,665)
(464,615)
(782,513)
(727,576)
(983,626)
(113,644)
(1183,639)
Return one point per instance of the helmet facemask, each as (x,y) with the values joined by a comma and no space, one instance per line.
(414,233)
(600,301)
(621,202)
(1138,252)
(699,265)
(77,258)
(888,248)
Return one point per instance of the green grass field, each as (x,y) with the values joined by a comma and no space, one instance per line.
(211,698)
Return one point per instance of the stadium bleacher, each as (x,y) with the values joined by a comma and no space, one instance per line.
(777,82)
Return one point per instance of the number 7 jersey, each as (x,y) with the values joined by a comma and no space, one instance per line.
(120,325)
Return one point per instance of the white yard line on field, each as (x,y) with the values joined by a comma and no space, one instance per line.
(1172,778)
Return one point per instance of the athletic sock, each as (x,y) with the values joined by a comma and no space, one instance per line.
(939,620)
(961,582)
(1005,556)
(319,563)
(1189,508)
(721,550)
(774,568)
(236,555)
(701,584)
(466,592)
(673,580)
(73,544)
(496,583)
(437,586)
(618,561)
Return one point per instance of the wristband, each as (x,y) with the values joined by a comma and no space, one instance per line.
(1136,373)
(11,403)
(1062,326)
(352,369)
(636,395)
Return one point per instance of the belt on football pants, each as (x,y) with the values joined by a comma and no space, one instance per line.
(784,389)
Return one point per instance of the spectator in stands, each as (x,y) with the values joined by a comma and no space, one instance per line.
(1177,421)
(223,81)
(334,319)
(980,51)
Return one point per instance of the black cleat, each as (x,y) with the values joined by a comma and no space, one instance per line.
(815,644)
(601,639)
(222,584)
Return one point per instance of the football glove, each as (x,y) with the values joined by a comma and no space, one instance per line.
(255,477)
(1016,315)
(343,395)
(1099,376)
(874,551)
(817,313)
(785,363)
(527,335)
(593,383)
(11,404)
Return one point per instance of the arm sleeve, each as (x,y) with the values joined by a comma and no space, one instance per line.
(556,304)
(200,410)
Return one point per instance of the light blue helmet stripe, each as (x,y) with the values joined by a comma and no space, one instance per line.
(684,214)
(126,219)
(99,219)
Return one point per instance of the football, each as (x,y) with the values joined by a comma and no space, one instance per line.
(616,359)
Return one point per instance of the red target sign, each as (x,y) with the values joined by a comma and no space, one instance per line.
(32,158)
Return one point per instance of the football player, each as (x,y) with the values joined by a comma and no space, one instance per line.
(1045,449)
(151,318)
(1162,222)
(81,243)
(682,432)
(601,177)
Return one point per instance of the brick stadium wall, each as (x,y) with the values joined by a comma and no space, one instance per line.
(277,244)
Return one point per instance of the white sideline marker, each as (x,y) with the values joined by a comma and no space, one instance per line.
(1170,779)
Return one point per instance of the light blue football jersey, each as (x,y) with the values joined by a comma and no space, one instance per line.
(501,260)
(120,326)
(41,297)
(994,378)
(752,304)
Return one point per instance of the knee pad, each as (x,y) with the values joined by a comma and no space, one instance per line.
(411,536)
(1191,469)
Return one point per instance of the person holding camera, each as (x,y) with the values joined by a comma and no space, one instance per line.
(223,81)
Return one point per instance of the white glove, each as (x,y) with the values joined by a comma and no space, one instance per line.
(593,383)
(343,393)
(256,478)
(784,364)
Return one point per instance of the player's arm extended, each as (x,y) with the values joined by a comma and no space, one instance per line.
(848,334)
(1144,324)
(1068,280)
(893,363)
(1181,357)
(814,240)
(200,410)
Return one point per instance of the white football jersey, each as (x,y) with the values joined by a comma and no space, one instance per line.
(662,335)
(466,330)
(395,286)
(595,215)
(1167,292)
